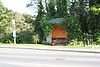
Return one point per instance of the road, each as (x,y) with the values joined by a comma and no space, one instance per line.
(10,57)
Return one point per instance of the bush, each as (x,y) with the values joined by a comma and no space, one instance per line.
(35,38)
(25,37)
(7,38)
(97,40)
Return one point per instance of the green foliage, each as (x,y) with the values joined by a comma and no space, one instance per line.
(73,26)
(6,38)
(95,9)
(5,19)
(46,27)
(72,23)
(21,22)
(50,9)
(35,38)
(61,8)
(37,24)
(24,28)
(41,11)
(87,22)
(28,18)
(89,19)
(97,38)
(25,37)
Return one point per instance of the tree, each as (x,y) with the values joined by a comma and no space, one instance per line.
(61,7)
(88,18)
(21,21)
(40,11)
(56,8)
(5,22)
(24,27)
(40,15)
(35,38)
(5,18)
(94,11)
(50,9)
(28,18)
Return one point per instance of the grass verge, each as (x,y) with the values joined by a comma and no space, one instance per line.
(22,45)
(68,46)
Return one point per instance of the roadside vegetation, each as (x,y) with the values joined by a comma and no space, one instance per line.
(82,16)
(49,46)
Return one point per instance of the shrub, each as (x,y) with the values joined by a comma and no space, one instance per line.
(35,38)
(24,37)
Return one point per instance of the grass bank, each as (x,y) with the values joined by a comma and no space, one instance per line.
(38,45)
(22,45)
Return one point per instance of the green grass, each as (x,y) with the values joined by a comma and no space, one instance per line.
(68,46)
(22,45)
(74,46)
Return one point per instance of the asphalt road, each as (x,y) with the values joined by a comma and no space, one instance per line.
(10,57)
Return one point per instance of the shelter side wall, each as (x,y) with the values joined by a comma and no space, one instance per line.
(59,32)
(49,39)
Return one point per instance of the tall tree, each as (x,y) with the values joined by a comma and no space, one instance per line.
(89,19)
(61,7)
(5,18)
(40,11)
(50,8)
(56,8)
(78,8)
(94,12)
(21,21)
(40,15)
(5,23)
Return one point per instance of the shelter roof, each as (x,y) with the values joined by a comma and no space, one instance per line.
(57,20)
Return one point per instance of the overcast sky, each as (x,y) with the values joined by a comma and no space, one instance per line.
(19,5)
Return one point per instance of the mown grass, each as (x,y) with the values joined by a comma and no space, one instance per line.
(68,46)
(75,46)
(22,45)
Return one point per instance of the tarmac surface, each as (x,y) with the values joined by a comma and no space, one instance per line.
(11,56)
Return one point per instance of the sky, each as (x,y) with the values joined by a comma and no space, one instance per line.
(19,6)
